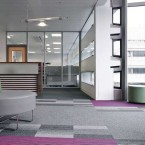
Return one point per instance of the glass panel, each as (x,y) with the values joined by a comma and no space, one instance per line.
(88,25)
(18,38)
(88,77)
(36,47)
(117,77)
(70,59)
(53,62)
(16,56)
(116,48)
(136,45)
(88,51)
(116,16)
(133,1)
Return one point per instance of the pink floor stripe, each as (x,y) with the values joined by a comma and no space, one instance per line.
(102,103)
(21,140)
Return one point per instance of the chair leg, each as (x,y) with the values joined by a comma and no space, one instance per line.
(17,124)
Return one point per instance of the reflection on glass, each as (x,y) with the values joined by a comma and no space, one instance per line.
(117,16)
(16,56)
(53,52)
(70,59)
(116,48)
(18,38)
(117,77)
(88,51)
(88,77)
(35,47)
(88,25)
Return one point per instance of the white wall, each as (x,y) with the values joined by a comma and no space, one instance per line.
(2,46)
(103,45)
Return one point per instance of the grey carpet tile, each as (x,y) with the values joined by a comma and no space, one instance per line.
(52,104)
(60,115)
(28,127)
(45,100)
(90,127)
(55,133)
(121,110)
(92,131)
(130,142)
(124,125)
(93,136)
(18,133)
(57,127)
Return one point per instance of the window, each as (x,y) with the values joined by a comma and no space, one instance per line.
(116,16)
(88,51)
(116,48)
(136,44)
(16,38)
(88,77)
(117,79)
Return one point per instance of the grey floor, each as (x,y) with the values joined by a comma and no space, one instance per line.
(79,118)
(63,94)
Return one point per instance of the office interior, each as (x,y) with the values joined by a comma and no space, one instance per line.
(81,58)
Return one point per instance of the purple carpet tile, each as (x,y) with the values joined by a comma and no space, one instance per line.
(115,104)
(19,140)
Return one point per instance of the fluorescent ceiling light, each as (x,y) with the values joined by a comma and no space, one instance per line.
(56,52)
(48,48)
(46,19)
(42,24)
(56,42)
(31,52)
(47,44)
(49,51)
(56,35)
(56,48)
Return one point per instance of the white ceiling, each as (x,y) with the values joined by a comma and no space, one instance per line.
(14,12)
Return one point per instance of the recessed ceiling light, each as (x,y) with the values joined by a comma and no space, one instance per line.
(47,44)
(56,48)
(8,37)
(57,43)
(56,52)
(46,36)
(48,48)
(56,35)
(42,24)
(49,51)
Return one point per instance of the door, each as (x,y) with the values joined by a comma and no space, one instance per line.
(16,53)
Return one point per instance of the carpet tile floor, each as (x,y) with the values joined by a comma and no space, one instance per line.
(78,122)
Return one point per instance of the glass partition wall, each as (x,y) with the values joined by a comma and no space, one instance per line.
(58,51)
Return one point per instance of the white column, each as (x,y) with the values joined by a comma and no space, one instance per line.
(103,45)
